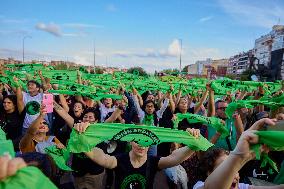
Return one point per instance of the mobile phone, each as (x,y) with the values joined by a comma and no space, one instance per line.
(47,101)
(279,126)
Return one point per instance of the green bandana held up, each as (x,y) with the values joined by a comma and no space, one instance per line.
(274,140)
(25,178)
(214,122)
(144,135)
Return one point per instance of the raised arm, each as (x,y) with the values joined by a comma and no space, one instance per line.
(179,155)
(63,102)
(200,103)
(139,98)
(138,109)
(114,116)
(165,104)
(236,160)
(178,95)
(62,113)
(43,81)
(238,125)
(32,130)
(97,154)
(20,98)
(172,103)
(211,103)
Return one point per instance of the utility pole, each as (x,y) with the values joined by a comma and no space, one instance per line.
(26,36)
(94,55)
(180,42)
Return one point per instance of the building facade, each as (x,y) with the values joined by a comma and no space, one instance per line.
(239,63)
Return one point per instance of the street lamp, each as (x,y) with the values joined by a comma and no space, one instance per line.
(180,42)
(26,36)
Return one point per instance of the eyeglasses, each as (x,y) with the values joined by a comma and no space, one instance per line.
(222,108)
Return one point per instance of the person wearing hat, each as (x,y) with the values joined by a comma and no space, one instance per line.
(29,102)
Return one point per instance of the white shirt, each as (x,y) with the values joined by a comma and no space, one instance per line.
(200,184)
(104,111)
(29,102)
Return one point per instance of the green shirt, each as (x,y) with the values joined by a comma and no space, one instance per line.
(221,142)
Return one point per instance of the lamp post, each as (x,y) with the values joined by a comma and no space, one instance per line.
(180,42)
(26,36)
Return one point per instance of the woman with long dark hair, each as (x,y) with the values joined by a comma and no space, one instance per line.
(11,120)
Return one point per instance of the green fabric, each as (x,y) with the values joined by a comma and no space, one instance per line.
(221,142)
(142,134)
(148,119)
(60,157)
(273,139)
(210,121)
(233,106)
(6,148)
(27,178)
(279,179)
(2,135)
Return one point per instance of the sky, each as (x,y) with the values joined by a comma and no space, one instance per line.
(127,33)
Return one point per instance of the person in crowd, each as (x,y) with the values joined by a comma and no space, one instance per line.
(29,102)
(234,124)
(11,120)
(36,138)
(136,169)
(219,164)
(87,174)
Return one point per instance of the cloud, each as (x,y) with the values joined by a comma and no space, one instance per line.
(51,28)
(81,25)
(172,51)
(82,60)
(260,13)
(111,8)
(175,48)
(205,19)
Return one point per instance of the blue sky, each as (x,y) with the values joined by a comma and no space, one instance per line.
(128,32)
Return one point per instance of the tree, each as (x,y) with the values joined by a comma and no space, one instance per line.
(99,71)
(170,71)
(185,69)
(246,75)
(231,76)
(137,70)
(61,66)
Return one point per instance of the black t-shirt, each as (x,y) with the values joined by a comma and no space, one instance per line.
(128,177)
(82,164)
(12,124)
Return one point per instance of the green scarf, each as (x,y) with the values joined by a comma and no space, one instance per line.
(25,178)
(148,119)
(214,122)
(144,135)
(274,141)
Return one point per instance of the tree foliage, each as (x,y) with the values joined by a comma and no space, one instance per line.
(135,70)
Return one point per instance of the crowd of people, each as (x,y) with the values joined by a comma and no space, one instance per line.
(230,163)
